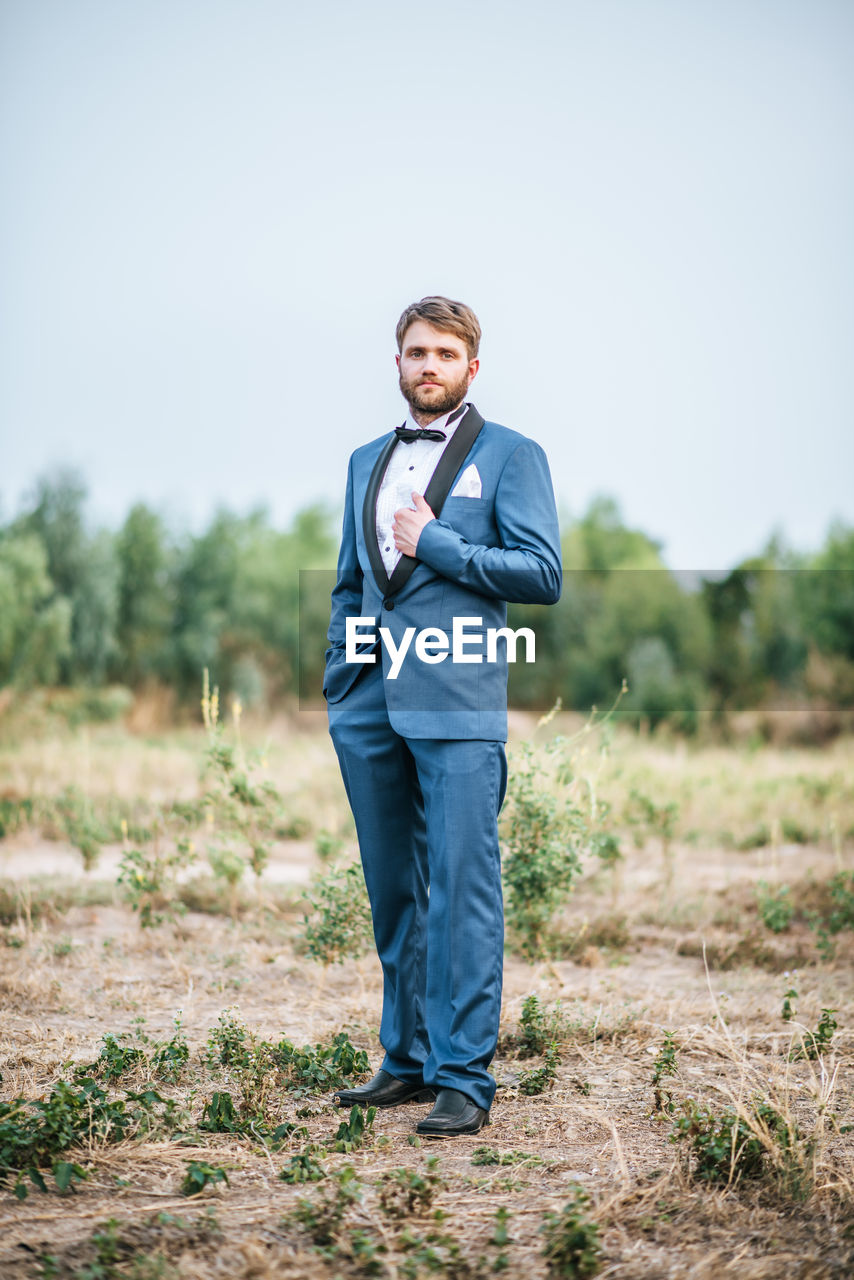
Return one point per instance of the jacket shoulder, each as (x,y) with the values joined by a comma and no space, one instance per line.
(372,448)
(506,438)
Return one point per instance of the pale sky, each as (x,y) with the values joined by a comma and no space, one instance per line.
(213,212)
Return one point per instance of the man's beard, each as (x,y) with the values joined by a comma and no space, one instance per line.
(434,406)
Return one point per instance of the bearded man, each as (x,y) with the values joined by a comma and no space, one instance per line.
(446,519)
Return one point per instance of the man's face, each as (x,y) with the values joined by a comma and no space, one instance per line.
(435,370)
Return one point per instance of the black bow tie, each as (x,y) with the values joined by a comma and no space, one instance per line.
(407,434)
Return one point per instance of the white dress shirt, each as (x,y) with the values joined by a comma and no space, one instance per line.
(410,467)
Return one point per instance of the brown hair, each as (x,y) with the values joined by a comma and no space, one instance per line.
(445,314)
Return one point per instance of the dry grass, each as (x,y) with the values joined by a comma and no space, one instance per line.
(658,945)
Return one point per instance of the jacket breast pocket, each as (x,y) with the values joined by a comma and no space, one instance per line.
(471,517)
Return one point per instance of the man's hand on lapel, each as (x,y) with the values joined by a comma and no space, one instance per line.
(408,524)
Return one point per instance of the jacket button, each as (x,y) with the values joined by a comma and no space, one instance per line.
(388,604)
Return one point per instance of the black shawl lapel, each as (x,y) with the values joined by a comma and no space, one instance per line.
(436,493)
(369,515)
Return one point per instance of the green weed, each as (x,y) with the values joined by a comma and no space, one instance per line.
(114,1061)
(322,1217)
(313,1070)
(815,1043)
(150,880)
(354,1132)
(543,831)
(775,906)
(572,1249)
(664,1065)
(489,1155)
(35,1134)
(337,926)
(199,1175)
(500,1238)
(751,1142)
(302,1168)
(535,1029)
(405,1192)
(540,1078)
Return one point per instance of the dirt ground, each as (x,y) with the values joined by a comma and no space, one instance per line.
(656,948)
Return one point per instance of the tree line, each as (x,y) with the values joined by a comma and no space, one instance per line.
(143,605)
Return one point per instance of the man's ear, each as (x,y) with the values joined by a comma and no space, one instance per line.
(397,361)
(474,365)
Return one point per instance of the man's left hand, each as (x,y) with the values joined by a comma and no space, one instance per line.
(407,524)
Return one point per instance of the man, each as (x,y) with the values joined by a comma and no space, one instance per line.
(446,519)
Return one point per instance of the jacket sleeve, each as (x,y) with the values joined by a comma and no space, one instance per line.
(526,567)
(347,592)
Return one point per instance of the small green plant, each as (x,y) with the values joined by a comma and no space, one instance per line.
(302,1168)
(500,1238)
(837,916)
(199,1175)
(321,1068)
(572,1249)
(229,1042)
(259,1067)
(533,1028)
(169,1057)
(788,1012)
(327,845)
(606,846)
(540,1078)
(150,880)
(120,1058)
(405,1192)
(775,906)
(436,1252)
(657,820)
(322,1217)
(841,889)
(664,1065)
(543,831)
(743,1143)
(815,1043)
(354,1132)
(489,1155)
(244,809)
(80,825)
(110,1252)
(219,1114)
(337,924)
(116,1060)
(35,1134)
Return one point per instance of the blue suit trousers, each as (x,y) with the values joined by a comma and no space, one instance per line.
(426,813)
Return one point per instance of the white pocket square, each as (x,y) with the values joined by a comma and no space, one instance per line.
(469,484)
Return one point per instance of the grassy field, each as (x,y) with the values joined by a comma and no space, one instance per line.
(659,1112)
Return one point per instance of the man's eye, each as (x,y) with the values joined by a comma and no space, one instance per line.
(449,355)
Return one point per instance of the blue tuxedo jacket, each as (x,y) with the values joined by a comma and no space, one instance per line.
(478,554)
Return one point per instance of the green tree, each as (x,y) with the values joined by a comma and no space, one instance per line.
(82,571)
(35,623)
(145,602)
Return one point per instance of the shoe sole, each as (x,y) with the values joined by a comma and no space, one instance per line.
(424,1095)
(450,1133)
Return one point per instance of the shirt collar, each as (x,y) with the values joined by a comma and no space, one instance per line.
(440,424)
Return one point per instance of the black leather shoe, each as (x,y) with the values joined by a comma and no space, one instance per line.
(384,1091)
(452,1115)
